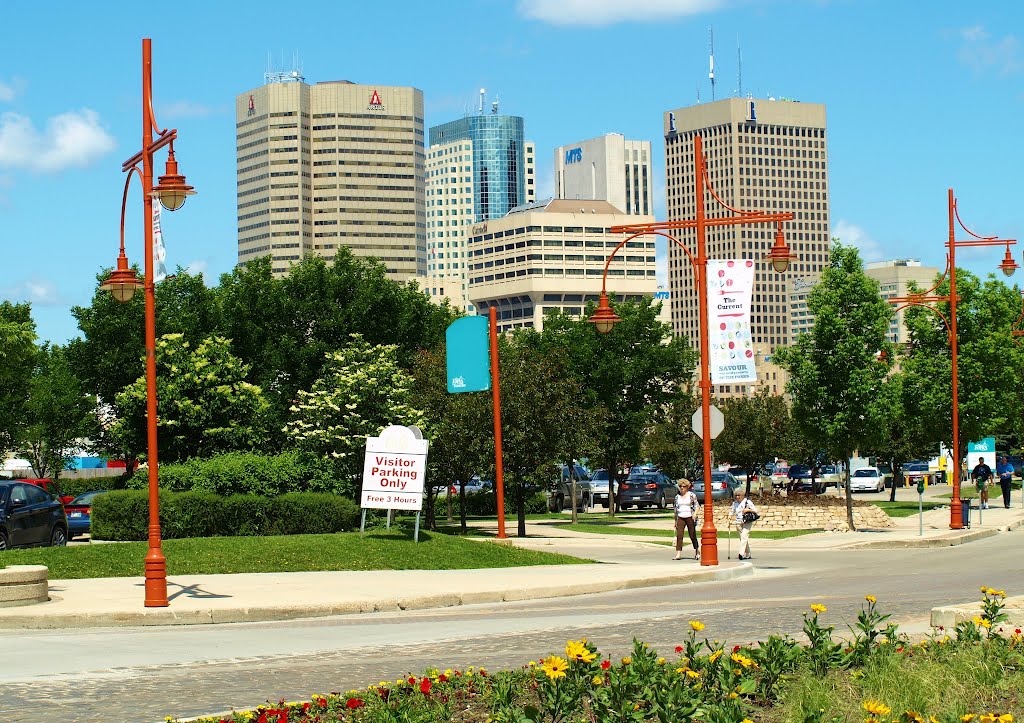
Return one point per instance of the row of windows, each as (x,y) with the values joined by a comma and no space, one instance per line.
(596,273)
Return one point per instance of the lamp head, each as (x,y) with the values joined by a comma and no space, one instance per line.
(1008,265)
(780,255)
(603,317)
(123,282)
(172,189)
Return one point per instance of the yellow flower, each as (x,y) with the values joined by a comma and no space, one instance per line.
(732,696)
(742,660)
(627,660)
(577,650)
(696,626)
(692,674)
(968,717)
(746,720)
(871,599)
(876,707)
(554,667)
(597,680)
(681,670)
(661,661)
(818,609)
(913,715)
(984,588)
(715,656)
(1005,718)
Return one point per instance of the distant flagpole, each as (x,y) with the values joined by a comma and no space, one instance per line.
(159,252)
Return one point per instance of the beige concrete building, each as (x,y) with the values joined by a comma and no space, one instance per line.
(894,278)
(551,255)
(608,168)
(761,154)
(329,165)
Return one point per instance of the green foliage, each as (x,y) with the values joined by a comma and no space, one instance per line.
(485,504)
(75,486)
(757,429)
(59,414)
(361,391)
(124,515)
(245,473)
(204,404)
(17,359)
(670,439)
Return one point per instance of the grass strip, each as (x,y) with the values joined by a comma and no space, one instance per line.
(905,508)
(376,550)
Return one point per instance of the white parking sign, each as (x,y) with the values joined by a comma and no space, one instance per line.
(394,470)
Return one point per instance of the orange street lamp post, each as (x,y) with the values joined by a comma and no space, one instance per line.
(604,318)
(925,299)
(123,283)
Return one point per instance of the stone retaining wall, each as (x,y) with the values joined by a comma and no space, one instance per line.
(23,585)
(807,517)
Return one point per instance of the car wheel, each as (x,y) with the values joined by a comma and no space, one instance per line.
(59,537)
(3,542)
(661,501)
(625,506)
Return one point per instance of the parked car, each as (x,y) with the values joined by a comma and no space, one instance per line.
(867,479)
(644,489)
(887,474)
(474,486)
(780,476)
(913,471)
(803,479)
(562,491)
(831,476)
(79,513)
(599,487)
(51,489)
(758,480)
(30,516)
(723,486)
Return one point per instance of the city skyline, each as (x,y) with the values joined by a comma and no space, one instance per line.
(906,123)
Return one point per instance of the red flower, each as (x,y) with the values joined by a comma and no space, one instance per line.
(679,648)
(425,686)
(412,680)
(305,706)
(1016,631)
(322,702)
(605,664)
(735,648)
(442,678)
(353,703)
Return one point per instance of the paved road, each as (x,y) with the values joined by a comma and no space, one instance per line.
(146,673)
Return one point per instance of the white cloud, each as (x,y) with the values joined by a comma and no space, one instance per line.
(853,235)
(199,266)
(607,12)
(6,92)
(184,109)
(36,291)
(980,52)
(75,138)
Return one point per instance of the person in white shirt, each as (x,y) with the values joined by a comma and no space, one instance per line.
(739,506)
(686,517)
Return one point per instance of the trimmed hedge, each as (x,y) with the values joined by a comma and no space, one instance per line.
(124,515)
(79,486)
(486,503)
(246,473)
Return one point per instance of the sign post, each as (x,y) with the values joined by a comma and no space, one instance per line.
(920,506)
(394,471)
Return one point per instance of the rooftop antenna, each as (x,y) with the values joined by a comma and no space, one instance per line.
(483,92)
(739,68)
(494,106)
(711,71)
(698,93)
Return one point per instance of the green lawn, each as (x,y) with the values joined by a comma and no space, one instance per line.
(905,508)
(376,550)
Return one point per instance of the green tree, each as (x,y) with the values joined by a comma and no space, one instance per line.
(757,429)
(835,375)
(205,406)
(670,439)
(628,377)
(59,414)
(458,427)
(17,357)
(362,390)
(991,366)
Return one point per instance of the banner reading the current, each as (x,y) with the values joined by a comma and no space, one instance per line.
(730,287)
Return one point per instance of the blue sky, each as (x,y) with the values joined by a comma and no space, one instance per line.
(921,96)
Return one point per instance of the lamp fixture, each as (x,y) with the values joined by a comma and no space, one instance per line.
(604,318)
(172,189)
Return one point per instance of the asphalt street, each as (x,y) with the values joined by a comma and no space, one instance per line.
(128,674)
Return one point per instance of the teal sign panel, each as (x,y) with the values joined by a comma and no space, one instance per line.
(985,448)
(469,358)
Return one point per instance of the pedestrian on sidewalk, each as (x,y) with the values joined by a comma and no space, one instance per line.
(1005,471)
(744,514)
(686,517)
(982,475)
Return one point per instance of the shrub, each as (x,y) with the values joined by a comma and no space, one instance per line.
(486,503)
(124,515)
(80,485)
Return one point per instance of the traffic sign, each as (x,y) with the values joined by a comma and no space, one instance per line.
(717,422)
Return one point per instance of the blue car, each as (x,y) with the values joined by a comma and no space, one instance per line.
(79,512)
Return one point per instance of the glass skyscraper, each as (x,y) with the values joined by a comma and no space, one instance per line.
(499,166)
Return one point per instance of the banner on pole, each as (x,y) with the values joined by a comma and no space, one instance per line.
(468,355)
(159,252)
(730,286)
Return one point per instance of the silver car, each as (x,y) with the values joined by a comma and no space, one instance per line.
(723,486)
(599,487)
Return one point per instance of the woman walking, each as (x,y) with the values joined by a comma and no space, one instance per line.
(686,511)
(740,507)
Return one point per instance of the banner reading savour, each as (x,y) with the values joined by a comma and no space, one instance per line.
(730,287)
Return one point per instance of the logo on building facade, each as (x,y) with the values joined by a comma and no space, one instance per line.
(375,103)
(573,155)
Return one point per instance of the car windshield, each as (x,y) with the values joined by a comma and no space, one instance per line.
(601,474)
(915,467)
(866,473)
(799,469)
(86,498)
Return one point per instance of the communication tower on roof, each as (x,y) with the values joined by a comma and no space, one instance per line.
(284,76)
(711,71)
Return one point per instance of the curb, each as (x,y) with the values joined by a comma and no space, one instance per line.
(948,616)
(947,540)
(39,620)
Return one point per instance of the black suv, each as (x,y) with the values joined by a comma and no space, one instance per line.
(800,479)
(30,517)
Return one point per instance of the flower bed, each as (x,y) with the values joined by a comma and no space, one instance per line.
(871,676)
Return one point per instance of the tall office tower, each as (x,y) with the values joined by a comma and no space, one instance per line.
(478,168)
(894,278)
(329,165)
(761,154)
(608,168)
(551,255)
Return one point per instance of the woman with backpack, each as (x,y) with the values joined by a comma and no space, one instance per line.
(744,514)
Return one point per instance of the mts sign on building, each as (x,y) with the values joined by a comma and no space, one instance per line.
(394,470)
